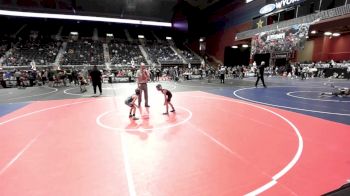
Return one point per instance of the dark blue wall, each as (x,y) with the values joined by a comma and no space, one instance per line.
(242,14)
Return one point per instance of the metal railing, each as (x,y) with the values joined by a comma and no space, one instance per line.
(316,17)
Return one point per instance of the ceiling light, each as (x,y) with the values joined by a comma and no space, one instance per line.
(168,38)
(74,33)
(313,32)
(79,17)
(327,33)
(141,36)
(234,47)
(109,35)
(336,34)
(245,46)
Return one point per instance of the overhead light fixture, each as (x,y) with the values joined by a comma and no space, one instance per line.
(234,46)
(168,38)
(327,33)
(109,35)
(313,32)
(151,23)
(336,34)
(245,46)
(74,33)
(79,17)
(201,39)
(141,36)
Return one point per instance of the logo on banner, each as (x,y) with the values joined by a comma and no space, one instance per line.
(277,36)
(278,5)
(267,9)
(285,3)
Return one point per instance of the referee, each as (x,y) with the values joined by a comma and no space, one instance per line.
(142,78)
(96,78)
(260,74)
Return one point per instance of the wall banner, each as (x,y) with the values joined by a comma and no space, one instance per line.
(281,40)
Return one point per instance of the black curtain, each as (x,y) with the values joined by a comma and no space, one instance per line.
(236,56)
(262,57)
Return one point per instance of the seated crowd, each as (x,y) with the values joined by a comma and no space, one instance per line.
(41,51)
(44,50)
(83,52)
(161,53)
(5,45)
(123,53)
(189,56)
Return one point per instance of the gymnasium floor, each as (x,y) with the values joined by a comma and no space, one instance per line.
(224,139)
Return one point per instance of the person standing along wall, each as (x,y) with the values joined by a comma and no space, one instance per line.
(222,74)
(2,80)
(158,71)
(142,78)
(17,75)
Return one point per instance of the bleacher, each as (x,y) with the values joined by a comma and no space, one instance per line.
(162,54)
(5,45)
(124,53)
(41,51)
(83,52)
(29,40)
(190,57)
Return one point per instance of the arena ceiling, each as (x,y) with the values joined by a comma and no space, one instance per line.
(156,10)
(202,4)
(159,10)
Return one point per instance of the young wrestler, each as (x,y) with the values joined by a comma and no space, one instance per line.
(340,92)
(167,98)
(130,101)
(82,83)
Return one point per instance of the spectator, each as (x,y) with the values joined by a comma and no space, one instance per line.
(2,80)
(222,74)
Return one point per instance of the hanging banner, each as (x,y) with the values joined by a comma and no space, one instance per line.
(280,40)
